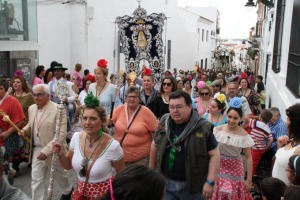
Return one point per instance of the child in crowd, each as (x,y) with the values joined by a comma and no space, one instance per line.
(293,170)
(260,133)
(292,192)
(272,188)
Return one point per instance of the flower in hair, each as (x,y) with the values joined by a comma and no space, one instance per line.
(221,98)
(190,78)
(91,101)
(147,71)
(102,63)
(201,84)
(244,75)
(19,73)
(236,102)
(91,78)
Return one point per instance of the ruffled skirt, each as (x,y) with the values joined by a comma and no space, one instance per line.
(230,182)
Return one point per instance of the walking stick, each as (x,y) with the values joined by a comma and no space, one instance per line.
(7,119)
(62,92)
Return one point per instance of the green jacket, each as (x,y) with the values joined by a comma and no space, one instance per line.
(196,155)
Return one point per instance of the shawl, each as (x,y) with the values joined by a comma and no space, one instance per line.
(151,98)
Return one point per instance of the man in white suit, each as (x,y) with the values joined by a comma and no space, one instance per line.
(41,128)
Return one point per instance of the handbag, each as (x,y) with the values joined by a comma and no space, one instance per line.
(76,195)
(126,131)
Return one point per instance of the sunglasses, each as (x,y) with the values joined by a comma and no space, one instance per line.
(84,163)
(204,93)
(167,84)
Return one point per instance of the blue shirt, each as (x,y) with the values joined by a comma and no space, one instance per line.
(277,129)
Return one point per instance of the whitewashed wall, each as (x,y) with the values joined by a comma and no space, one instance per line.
(71,33)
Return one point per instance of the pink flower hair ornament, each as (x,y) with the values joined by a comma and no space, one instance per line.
(19,73)
(201,84)
(102,63)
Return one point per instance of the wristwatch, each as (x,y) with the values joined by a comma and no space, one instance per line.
(211,183)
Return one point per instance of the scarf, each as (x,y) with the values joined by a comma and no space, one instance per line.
(151,98)
(194,123)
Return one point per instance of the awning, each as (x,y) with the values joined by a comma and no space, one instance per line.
(19,46)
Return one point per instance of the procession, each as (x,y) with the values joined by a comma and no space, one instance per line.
(140,125)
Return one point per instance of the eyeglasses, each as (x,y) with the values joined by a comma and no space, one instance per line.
(289,170)
(38,95)
(232,88)
(131,97)
(167,84)
(204,93)
(178,107)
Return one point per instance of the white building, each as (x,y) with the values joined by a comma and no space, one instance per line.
(280,54)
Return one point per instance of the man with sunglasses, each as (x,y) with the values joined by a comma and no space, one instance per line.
(184,150)
(41,127)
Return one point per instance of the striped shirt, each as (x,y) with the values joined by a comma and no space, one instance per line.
(260,132)
(278,129)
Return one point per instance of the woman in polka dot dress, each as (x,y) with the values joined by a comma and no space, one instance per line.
(233,140)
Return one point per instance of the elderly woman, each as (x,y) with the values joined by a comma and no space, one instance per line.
(94,155)
(102,88)
(288,145)
(77,77)
(134,126)
(148,93)
(204,99)
(168,85)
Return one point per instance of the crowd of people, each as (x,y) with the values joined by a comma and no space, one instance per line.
(196,135)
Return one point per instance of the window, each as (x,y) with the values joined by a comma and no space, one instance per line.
(18,20)
(202,35)
(207,34)
(293,68)
(278,36)
(201,64)
(205,63)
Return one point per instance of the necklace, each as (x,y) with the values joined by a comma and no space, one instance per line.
(211,119)
(99,134)
(99,89)
(164,99)
(18,97)
(85,159)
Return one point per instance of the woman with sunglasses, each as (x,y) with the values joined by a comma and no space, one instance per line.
(204,99)
(288,145)
(161,102)
(94,155)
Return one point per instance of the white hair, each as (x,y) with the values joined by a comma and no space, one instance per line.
(44,86)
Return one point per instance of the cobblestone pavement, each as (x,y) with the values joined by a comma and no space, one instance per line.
(23,181)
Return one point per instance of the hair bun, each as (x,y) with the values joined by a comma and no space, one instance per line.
(91,101)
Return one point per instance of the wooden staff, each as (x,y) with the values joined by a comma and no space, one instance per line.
(7,119)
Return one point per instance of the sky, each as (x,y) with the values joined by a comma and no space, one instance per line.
(235,19)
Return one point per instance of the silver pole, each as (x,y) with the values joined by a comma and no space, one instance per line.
(62,92)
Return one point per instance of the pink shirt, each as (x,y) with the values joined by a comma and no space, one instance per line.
(38,80)
(78,79)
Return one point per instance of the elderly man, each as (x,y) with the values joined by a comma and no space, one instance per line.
(41,126)
(233,90)
(185,151)
(277,126)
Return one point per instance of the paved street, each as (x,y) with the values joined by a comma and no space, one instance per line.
(23,181)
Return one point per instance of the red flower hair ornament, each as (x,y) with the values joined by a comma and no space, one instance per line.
(147,72)
(102,63)
(91,78)
(190,78)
